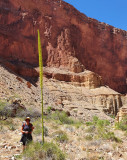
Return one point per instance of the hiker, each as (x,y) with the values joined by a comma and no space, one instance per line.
(27,129)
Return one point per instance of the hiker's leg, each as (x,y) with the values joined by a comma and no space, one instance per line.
(24,147)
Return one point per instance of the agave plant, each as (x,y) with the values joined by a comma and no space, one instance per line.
(41,79)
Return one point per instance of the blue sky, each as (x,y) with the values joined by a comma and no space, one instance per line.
(113,12)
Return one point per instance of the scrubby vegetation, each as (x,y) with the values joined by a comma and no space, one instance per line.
(61,117)
(5,112)
(33,113)
(122,125)
(38,127)
(100,129)
(37,151)
(16,110)
(60,136)
(58,128)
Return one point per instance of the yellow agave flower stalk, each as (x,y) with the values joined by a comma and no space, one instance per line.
(41,80)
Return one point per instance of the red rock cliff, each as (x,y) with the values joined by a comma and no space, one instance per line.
(70,39)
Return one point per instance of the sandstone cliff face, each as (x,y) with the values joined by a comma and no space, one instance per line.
(70,39)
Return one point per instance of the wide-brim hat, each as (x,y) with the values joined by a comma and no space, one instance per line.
(27,118)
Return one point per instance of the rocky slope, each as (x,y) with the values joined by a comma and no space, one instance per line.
(77,147)
(70,40)
(81,95)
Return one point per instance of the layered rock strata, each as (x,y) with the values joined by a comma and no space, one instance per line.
(86,78)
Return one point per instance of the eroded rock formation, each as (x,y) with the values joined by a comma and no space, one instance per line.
(85,79)
(122,114)
(70,39)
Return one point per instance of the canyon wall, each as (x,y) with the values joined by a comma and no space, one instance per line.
(70,39)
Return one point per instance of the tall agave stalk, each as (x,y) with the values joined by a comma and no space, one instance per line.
(41,80)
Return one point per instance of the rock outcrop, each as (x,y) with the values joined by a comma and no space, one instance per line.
(85,79)
(70,40)
(121,114)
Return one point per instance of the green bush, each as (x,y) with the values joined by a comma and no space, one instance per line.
(102,123)
(61,117)
(12,127)
(6,122)
(49,109)
(60,136)
(101,129)
(112,116)
(33,113)
(95,119)
(38,127)
(98,122)
(37,151)
(111,136)
(89,123)
(89,137)
(5,112)
(2,104)
(53,151)
(91,129)
(122,125)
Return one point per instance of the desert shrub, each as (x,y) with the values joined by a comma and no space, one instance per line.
(45,131)
(2,104)
(61,117)
(95,119)
(98,122)
(60,136)
(1,128)
(91,129)
(8,123)
(52,150)
(12,127)
(122,125)
(37,151)
(101,129)
(33,113)
(38,130)
(5,111)
(89,123)
(38,127)
(89,137)
(49,109)
(102,123)
(111,136)
(112,116)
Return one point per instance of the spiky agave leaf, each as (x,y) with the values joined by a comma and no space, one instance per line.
(41,79)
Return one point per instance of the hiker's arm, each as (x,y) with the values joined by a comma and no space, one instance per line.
(22,130)
(32,129)
(26,132)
